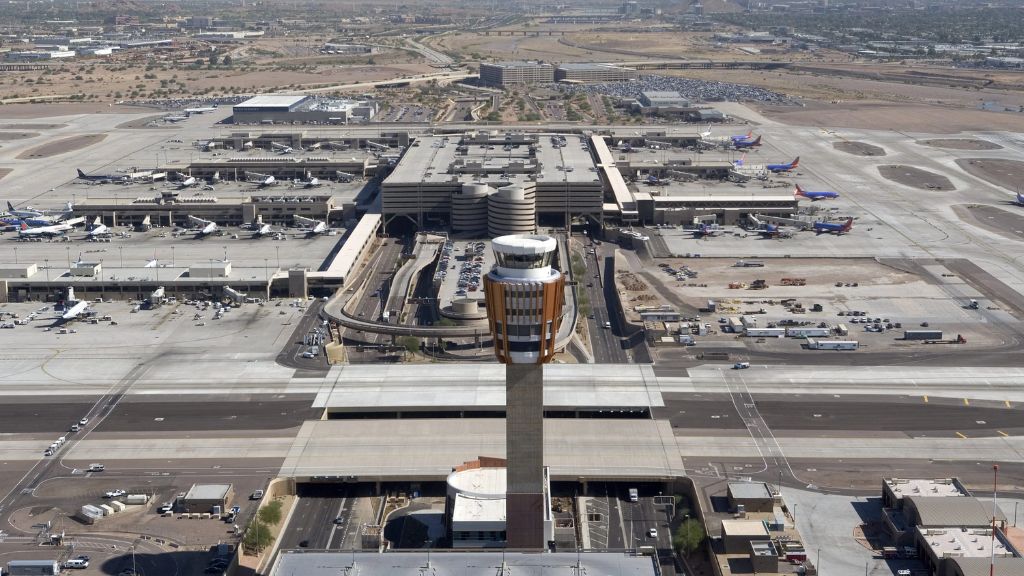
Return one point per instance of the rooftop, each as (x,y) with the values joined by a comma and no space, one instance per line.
(744,528)
(295,563)
(588,66)
(971,543)
(518,64)
(207,491)
(748,490)
(940,487)
(271,101)
(488,483)
(952,511)
(980,566)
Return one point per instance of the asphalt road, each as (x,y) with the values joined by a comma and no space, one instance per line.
(909,415)
(291,355)
(31,415)
(247,413)
(312,522)
(605,342)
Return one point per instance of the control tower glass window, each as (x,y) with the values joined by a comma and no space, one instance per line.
(523,261)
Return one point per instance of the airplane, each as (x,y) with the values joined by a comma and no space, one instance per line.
(258,228)
(1020,199)
(101,178)
(705,231)
(202,110)
(41,217)
(800,192)
(281,148)
(261,180)
(73,308)
(175,119)
(747,136)
(769,230)
(738,144)
(185,181)
(202,227)
(653,180)
(309,182)
(145,225)
(783,167)
(830,227)
(344,177)
(99,230)
(48,231)
(310,226)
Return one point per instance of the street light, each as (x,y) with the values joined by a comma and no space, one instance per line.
(172,256)
(47,262)
(120,250)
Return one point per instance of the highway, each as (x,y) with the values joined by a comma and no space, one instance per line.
(607,346)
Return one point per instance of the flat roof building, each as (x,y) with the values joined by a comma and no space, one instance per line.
(894,490)
(752,496)
(274,109)
(587,73)
(516,72)
(942,548)
(657,98)
(207,498)
(738,534)
(966,512)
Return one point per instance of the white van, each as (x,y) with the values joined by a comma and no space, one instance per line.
(634,495)
(78,563)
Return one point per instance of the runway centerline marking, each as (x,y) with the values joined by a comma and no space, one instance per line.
(967,402)
(961,435)
(1004,434)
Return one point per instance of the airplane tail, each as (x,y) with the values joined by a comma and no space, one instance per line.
(757,141)
(848,225)
(740,161)
(80,173)
(24,226)
(97,221)
(795,163)
(11,206)
(750,134)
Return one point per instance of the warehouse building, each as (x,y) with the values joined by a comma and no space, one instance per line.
(284,109)
(521,72)
(896,490)
(751,497)
(587,73)
(942,549)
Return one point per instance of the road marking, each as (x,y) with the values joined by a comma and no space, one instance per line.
(1007,402)
(1004,434)
(961,435)
(967,402)
(925,399)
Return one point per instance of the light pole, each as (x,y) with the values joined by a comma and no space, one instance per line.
(817,563)
(47,262)
(266,276)
(120,250)
(172,256)
(277,249)
(15,254)
(68,249)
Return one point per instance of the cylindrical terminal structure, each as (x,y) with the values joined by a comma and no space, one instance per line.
(525,296)
(512,210)
(469,208)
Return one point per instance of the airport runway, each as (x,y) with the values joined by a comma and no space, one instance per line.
(244,413)
(27,415)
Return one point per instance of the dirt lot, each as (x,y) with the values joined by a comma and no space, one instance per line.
(996,220)
(16,111)
(915,177)
(17,135)
(960,144)
(1006,173)
(62,146)
(4,172)
(859,148)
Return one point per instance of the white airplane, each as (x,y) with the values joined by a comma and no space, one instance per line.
(201,110)
(202,227)
(99,229)
(309,182)
(73,308)
(145,225)
(261,180)
(48,231)
(281,148)
(185,181)
(44,216)
(344,177)
(310,226)
(175,119)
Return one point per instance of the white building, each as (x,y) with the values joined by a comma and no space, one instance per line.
(476,504)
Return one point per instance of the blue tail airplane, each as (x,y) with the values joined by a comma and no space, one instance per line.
(783,167)
(814,195)
(747,143)
(834,227)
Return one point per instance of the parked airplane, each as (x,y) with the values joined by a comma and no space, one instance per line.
(261,180)
(768,230)
(202,227)
(344,177)
(705,231)
(739,144)
(41,217)
(202,110)
(783,167)
(814,195)
(73,308)
(653,180)
(101,178)
(310,226)
(186,181)
(145,225)
(48,231)
(834,227)
(99,229)
(281,148)
(175,119)
(309,182)
(747,136)
(1020,199)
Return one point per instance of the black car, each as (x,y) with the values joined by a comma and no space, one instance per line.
(304,544)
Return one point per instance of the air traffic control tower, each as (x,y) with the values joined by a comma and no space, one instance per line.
(524,296)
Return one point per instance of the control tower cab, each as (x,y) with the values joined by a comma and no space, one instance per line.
(524,296)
